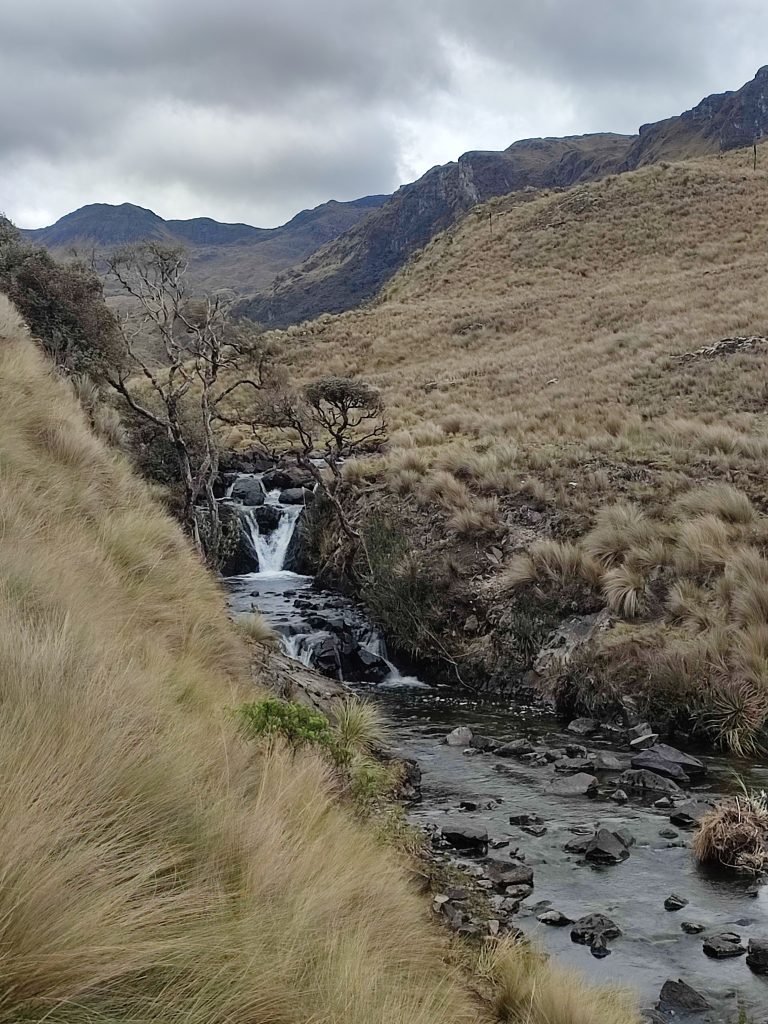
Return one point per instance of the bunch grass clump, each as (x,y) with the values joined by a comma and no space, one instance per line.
(735,833)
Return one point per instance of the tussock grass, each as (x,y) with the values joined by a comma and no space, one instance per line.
(735,833)
(158,866)
(529,990)
(540,365)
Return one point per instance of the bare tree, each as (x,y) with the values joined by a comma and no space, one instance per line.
(330,420)
(200,361)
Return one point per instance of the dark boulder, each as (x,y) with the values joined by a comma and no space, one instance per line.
(222,483)
(724,945)
(242,557)
(641,778)
(757,955)
(606,848)
(372,667)
(248,491)
(691,927)
(675,902)
(689,814)
(678,997)
(484,744)
(267,517)
(505,876)
(515,748)
(285,478)
(595,931)
(327,656)
(295,496)
(521,820)
(554,918)
(669,762)
(466,837)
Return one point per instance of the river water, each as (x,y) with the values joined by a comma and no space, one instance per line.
(653,946)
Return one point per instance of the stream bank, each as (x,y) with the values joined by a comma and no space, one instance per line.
(474,789)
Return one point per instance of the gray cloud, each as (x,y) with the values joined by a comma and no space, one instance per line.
(245,110)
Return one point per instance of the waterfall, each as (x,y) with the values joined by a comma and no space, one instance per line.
(272,548)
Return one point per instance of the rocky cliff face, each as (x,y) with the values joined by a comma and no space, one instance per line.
(720,122)
(353,267)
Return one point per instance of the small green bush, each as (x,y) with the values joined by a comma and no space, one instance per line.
(293,722)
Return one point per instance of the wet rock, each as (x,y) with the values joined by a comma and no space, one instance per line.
(268,517)
(575,750)
(518,892)
(689,814)
(637,732)
(679,997)
(535,830)
(508,876)
(554,919)
(583,726)
(459,737)
(669,762)
(757,955)
(664,803)
(578,846)
(604,762)
(619,796)
(668,833)
(595,931)
(641,742)
(675,902)
(498,844)
(691,765)
(574,785)
(222,483)
(571,765)
(692,927)
(295,496)
(724,945)
(467,805)
(515,748)
(248,491)
(466,837)
(326,656)
(286,478)
(606,848)
(640,778)
(484,744)
(525,819)
(373,667)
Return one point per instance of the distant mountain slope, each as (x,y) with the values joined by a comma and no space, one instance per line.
(353,267)
(236,256)
(720,122)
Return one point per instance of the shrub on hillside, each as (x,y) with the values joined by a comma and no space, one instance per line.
(62,304)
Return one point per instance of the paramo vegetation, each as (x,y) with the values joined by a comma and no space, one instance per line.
(576,387)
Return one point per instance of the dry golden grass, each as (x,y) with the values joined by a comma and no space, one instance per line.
(529,990)
(735,833)
(157,867)
(538,364)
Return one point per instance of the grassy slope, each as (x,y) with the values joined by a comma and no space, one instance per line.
(155,866)
(532,366)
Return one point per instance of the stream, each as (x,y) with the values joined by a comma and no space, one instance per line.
(331,633)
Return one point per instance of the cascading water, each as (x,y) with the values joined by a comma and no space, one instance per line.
(271,548)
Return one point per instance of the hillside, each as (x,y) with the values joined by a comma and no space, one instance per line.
(535,377)
(158,866)
(352,268)
(234,256)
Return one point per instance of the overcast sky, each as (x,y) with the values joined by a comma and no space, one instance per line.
(246,110)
